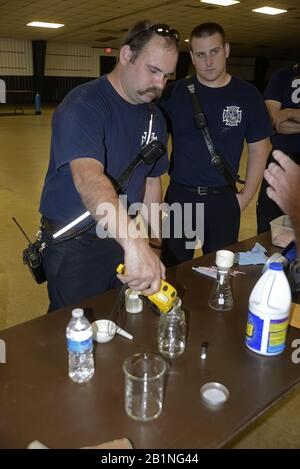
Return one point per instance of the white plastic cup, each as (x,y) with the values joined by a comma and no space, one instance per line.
(144,385)
(133,301)
(224,258)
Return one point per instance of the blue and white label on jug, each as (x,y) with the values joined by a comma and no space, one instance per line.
(79,347)
(266,336)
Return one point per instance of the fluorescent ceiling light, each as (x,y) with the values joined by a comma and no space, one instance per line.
(42,24)
(223,3)
(269,11)
(186,40)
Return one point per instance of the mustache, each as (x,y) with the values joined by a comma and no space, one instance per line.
(155,91)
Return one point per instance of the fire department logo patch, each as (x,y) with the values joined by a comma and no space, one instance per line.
(145,137)
(232,116)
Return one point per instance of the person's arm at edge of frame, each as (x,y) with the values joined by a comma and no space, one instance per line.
(152,201)
(284,180)
(143,268)
(285,121)
(257,158)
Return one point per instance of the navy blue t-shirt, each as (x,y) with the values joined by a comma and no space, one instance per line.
(284,87)
(94,121)
(234,112)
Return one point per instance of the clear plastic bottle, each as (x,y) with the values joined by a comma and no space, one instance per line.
(79,335)
(221,298)
(172,331)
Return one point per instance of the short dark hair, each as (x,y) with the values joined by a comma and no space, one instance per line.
(206,30)
(143,31)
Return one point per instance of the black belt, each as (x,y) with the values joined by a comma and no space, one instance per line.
(204,190)
(52,227)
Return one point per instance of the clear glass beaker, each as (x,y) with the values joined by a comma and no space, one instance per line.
(144,385)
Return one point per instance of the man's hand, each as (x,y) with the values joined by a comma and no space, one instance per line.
(284,180)
(144,270)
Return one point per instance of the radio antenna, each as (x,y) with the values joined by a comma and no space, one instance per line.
(22,231)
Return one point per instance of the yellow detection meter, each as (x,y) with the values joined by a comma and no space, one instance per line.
(164,298)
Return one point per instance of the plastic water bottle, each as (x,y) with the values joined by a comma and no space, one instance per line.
(80,347)
(269,308)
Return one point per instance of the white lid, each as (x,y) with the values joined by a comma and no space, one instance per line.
(77,312)
(276,257)
(132,294)
(224,258)
(214,393)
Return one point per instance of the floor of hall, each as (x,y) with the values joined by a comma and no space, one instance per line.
(25,143)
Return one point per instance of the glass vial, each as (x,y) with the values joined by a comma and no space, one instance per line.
(221,298)
(172,331)
(133,301)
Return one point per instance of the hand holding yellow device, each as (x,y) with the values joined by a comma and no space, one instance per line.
(164,298)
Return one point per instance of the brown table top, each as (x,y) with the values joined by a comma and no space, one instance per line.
(39,401)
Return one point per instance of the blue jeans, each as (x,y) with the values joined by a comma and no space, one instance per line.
(80,268)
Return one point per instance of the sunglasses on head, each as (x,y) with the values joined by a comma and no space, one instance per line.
(161,29)
(165,30)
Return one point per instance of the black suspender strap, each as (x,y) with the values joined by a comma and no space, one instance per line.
(200,122)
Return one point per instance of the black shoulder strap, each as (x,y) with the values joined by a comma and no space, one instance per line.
(200,122)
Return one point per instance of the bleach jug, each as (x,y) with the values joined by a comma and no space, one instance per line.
(269,308)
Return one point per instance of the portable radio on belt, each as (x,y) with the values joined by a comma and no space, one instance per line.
(163,299)
(32,256)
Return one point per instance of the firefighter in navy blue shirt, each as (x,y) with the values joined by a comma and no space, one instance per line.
(97,131)
(234,111)
(282,97)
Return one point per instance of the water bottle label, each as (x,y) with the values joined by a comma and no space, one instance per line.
(79,347)
(266,336)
